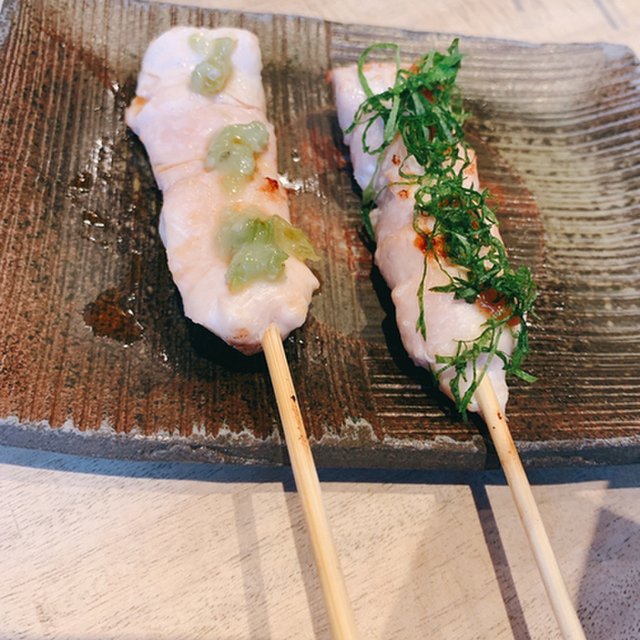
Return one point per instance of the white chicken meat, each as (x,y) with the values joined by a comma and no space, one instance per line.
(399,251)
(176,125)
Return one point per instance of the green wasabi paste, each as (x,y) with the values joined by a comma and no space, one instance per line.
(210,76)
(256,246)
(233,152)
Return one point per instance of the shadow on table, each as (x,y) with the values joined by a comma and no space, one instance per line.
(627,476)
(609,597)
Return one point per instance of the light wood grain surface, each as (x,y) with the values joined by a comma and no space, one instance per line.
(104,549)
(616,21)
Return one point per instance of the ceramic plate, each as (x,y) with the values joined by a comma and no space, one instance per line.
(97,357)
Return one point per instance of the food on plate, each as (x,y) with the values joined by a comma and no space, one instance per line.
(460,307)
(236,259)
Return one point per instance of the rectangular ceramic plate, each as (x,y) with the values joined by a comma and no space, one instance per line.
(96,356)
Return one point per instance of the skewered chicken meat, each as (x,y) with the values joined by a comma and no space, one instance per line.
(458,327)
(199,110)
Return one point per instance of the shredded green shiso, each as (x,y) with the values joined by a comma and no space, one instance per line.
(424,107)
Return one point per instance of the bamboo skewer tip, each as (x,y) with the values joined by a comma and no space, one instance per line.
(561,604)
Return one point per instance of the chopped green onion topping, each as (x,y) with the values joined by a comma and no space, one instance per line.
(424,106)
(233,152)
(256,246)
(210,76)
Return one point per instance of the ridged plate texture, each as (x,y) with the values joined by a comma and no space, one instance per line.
(96,356)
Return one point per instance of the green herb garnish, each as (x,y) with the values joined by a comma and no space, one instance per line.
(454,222)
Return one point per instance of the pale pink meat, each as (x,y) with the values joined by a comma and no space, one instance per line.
(399,254)
(176,126)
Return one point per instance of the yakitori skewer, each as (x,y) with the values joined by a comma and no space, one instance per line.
(237,261)
(461,309)
(200,111)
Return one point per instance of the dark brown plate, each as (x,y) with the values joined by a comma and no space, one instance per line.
(97,356)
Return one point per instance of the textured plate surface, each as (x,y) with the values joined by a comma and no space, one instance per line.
(97,357)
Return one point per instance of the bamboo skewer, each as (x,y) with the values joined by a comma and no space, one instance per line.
(306,477)
(528,510)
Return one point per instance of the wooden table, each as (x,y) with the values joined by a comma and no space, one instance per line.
(95,548)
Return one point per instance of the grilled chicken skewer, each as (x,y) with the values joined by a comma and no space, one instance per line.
(237,261)
(411,266)
(213,155)
(460,307)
